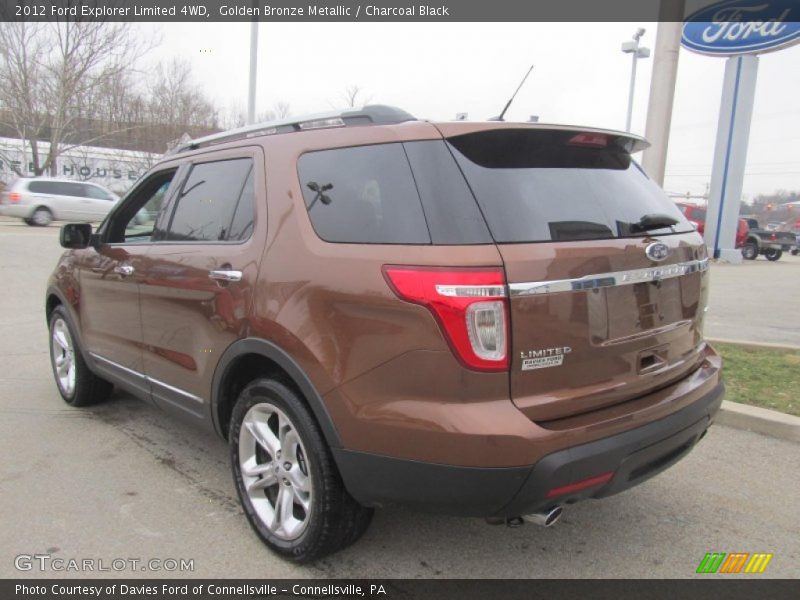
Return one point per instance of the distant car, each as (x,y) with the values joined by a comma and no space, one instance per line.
(39,201)
(697,216)
(772,244)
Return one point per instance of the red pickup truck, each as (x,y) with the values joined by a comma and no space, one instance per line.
(697,215)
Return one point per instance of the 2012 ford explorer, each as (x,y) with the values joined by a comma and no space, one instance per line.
(485,319)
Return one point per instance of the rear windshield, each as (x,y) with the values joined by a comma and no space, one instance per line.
(541,186)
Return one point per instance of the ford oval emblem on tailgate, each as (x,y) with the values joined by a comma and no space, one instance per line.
(657,251)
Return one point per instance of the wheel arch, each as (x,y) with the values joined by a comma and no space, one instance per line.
(47,207)
(248,358)
(54,298)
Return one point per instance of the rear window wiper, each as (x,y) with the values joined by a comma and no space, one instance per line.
(653,221)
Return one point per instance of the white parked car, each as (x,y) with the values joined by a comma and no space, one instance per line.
(39,200)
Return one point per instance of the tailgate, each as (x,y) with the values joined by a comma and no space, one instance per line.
(606,276)
(594,324)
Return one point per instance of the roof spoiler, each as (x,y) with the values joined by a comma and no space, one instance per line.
(629,142)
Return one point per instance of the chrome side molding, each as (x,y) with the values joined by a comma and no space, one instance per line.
(150,380)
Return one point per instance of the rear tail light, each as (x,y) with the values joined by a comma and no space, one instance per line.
(14,196)
(773,236)
(469,304)
(592,140)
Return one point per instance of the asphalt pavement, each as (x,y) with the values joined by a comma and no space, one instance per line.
(757,301)
(124,481)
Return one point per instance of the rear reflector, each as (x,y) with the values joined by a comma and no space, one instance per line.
(580,485)
(469,304)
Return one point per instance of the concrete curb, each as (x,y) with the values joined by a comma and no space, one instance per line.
(756,345)
(753,418)
(760,420)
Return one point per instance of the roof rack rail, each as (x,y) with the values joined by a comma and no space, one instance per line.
(375,114)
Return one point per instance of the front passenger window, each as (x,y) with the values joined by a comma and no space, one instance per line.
(205,209)
(133,221)
(141,225)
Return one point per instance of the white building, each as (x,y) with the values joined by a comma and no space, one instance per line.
(113,168)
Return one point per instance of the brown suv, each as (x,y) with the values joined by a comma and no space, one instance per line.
(485,319)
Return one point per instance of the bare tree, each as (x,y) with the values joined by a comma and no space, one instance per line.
(176,101)
(52,74)
(353,96)
(236,115)
(282,110)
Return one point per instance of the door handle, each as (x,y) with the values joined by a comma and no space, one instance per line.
(124,270)
(225,275)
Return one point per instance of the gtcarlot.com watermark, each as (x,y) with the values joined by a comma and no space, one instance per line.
(48,563)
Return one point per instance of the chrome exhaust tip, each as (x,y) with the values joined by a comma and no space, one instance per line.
(546,518)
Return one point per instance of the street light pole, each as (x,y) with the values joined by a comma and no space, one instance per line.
(636,53)
(251,96)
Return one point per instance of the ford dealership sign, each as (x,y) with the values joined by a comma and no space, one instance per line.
(743,27)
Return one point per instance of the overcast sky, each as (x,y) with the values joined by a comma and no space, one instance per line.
(436,70)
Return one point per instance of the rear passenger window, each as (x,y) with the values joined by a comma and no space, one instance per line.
(42,187)
(206,207)
(363,195)
(451,211)
(56,188)
(78,190)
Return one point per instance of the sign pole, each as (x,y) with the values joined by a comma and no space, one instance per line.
(662,95)
(251,92)
(730,157)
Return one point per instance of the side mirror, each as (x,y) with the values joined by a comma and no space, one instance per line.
(75,235)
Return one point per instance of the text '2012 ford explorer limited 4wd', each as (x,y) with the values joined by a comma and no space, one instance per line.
(483,319)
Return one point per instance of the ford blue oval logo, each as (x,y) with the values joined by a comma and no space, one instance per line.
(742,27)
(657,251)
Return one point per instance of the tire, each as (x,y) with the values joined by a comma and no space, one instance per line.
(750,251)
(795,251)
(772,254)
(29,222)
(271,429)
(76,383)
(42,216)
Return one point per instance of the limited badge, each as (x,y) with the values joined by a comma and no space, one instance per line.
(546,357)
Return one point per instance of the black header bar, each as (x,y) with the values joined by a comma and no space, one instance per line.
(352,10)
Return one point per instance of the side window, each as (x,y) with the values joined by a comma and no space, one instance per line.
(75,190)
(206,205)
(134,219)
(363,195)
(43,187)
(141,225)
(451,210)
(242,225)
(96,193)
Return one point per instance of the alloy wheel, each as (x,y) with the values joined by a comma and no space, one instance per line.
(275,471)
(63,356)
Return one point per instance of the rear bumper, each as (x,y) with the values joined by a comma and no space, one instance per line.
(633,456)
